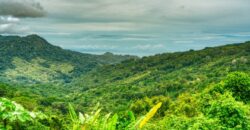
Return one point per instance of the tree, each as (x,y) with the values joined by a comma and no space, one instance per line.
(239,84)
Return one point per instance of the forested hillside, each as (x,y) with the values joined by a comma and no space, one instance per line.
(32,60)
(205,89)
(168,74)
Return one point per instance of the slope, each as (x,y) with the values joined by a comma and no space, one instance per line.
(32,60)
(168,74)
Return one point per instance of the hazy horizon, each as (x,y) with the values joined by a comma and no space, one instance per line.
(138,27)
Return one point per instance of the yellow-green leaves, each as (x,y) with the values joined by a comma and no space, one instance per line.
(150,115)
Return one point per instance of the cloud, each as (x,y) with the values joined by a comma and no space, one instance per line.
(149,47)
(54,33)
(92,26)
(10,28)
(8,19)
(146,10)
(169,15)
(130,25)
(11,25)
(125,37)
(13,11)
(21,8)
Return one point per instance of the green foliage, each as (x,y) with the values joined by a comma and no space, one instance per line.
(92,120)
(190,85)
(228,112)
(32,60)
(239,84)
(199,122)
(186,104)
(168,74)
(96,121)
(142,106)
(213,108)
(13,115)
(125,120)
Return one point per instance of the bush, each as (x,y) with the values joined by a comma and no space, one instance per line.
(186,104)
(239,84)
(229,112)
(200,122)
(142,106)
(13,115)
(213,108)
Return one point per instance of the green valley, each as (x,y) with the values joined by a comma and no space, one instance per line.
(61,89)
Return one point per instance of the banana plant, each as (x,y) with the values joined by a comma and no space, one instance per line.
(94,121)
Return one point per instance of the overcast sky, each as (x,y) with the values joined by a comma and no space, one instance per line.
(138,27)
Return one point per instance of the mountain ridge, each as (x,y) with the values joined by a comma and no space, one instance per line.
(33,50)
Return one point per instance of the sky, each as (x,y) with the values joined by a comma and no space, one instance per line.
(135,27)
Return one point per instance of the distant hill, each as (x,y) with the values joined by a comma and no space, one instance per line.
(32,60)
(168,74)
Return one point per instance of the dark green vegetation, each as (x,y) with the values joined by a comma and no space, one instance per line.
(206,89)
(32,59)
(215,107)
(168,74)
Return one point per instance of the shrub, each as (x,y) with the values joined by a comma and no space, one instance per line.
(142,106)
(239,84)
(229,112)
(96,121)
(13,115)
(186,104)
